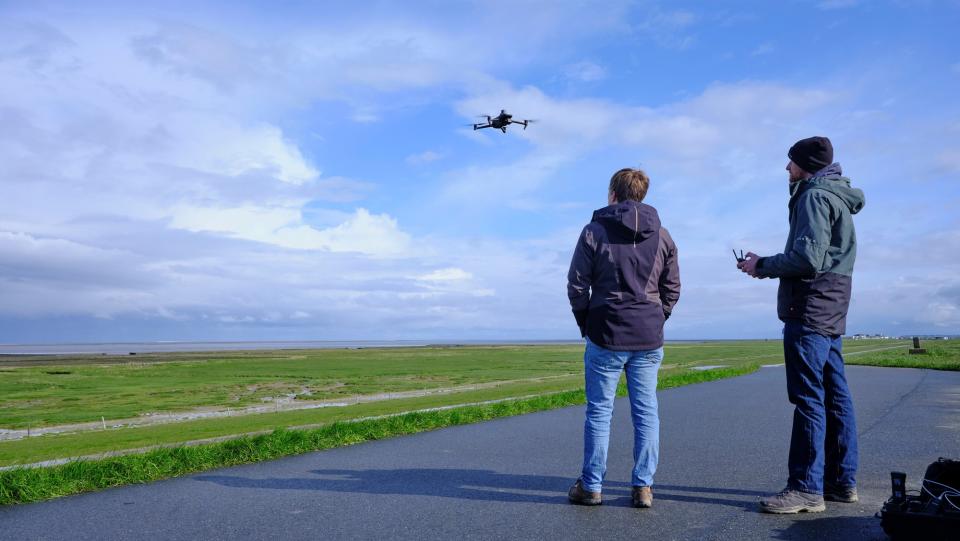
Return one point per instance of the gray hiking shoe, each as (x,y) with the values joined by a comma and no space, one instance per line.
(789,501)
(580,496)
(834,493)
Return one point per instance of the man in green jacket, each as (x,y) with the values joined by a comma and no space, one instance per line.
(816,276)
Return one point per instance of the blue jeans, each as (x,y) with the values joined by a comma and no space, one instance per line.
(602,369)
(823,445)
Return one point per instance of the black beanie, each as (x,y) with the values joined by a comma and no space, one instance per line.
(811,154)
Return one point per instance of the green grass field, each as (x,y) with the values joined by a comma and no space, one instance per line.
(48,392)
(77,392)
(23,485)
(84,389)
(941,355)
(520,379)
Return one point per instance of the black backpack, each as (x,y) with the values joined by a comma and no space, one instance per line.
(932,514)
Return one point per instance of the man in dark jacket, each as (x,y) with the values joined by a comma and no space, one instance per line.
(623,284)
(815,272)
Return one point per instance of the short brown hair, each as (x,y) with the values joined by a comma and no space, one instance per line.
(629,184)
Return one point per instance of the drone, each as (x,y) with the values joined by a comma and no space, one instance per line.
(500,122)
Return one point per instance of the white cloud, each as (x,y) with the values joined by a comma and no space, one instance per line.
(151,170)
(708,155)
(161,139)
(220,145)
(560,123)
(509,184)
(28,257)
(449,274)
(693,125)
(426,156)
(38,45)
(188,50)
(585,71)
(372,234)
(338,189)
(689,139)
(365,116)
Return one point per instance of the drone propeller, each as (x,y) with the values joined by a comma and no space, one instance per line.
(524,123)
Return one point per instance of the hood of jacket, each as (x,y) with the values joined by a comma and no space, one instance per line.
(630,219)
(831,179)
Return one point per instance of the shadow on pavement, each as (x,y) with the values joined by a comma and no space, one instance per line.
(470,485)
(710,490)
(704,495)
(460,484)
(865,528)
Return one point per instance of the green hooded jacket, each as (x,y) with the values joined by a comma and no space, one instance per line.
(816,266)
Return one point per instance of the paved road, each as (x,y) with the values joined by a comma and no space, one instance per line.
(723,445)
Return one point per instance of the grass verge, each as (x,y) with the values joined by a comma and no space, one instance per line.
(25,485)
(940,355)
(58,446)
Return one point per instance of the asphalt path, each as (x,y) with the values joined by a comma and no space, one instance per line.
(723,444)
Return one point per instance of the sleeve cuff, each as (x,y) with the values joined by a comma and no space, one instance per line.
(760,270)
(581,317)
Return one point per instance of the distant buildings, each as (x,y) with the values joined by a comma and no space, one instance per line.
(869,337)
(906,337)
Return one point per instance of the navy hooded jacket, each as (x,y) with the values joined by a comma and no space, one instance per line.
(624,279)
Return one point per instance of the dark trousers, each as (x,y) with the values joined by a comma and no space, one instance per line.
(823,445)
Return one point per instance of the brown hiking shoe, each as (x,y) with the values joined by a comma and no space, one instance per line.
(643,497)
(580,496)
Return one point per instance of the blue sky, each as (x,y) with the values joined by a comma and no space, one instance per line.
(289,170)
